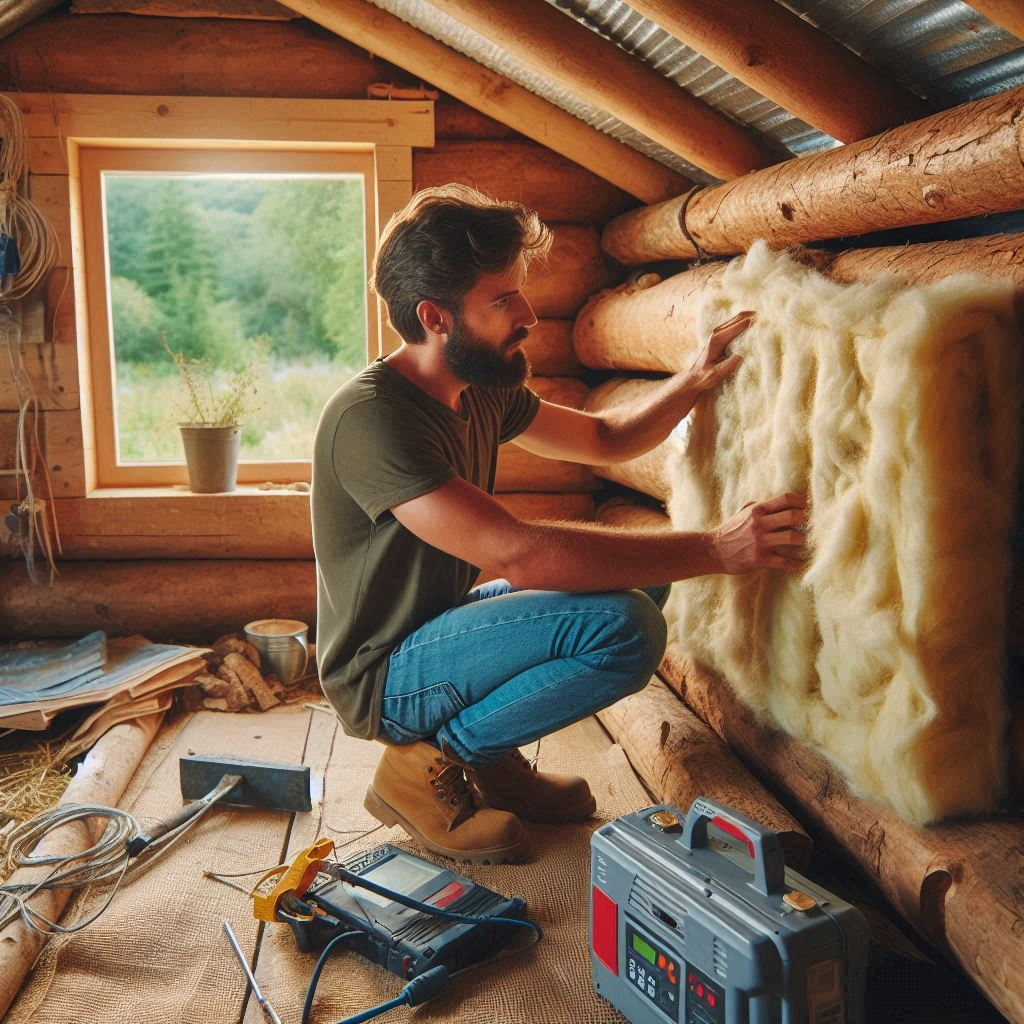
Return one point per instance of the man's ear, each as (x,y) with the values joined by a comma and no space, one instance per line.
(432,317)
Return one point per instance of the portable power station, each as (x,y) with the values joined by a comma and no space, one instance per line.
(697,920)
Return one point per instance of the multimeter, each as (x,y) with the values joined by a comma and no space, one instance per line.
(364,895)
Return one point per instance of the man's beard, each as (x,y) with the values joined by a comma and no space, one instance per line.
(476,362)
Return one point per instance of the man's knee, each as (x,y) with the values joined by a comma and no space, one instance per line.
(644,634)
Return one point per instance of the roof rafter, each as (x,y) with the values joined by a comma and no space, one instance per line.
(789,61)
(493,94)
(560,49)
(1008,14)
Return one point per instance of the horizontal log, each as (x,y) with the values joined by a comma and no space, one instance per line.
(557,188)
(520,470)
(549,349)
(680,758)
(139,56)
(246,524)
(653,326)
(191,601)
(791,62)
(458,122)
(648,473)
(959,163)
(549,507)
(626,512)
(575,268)
(958,884)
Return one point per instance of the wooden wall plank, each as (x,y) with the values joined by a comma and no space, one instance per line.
(246,524)
(191,57)
(557,188)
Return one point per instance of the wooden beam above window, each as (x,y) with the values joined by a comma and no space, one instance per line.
(493,94)
(558,48)
(789,61)
(132,120)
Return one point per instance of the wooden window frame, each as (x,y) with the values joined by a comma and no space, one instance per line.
(380,132)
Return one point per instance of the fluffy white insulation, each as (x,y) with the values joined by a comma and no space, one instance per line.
(896,410)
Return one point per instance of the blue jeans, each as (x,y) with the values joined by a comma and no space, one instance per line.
(507,666)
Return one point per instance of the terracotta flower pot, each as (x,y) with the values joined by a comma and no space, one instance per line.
(211,454)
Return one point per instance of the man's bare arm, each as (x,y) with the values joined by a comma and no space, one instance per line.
(466,522)
(616,435)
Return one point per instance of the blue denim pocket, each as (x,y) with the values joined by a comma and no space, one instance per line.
(407,717)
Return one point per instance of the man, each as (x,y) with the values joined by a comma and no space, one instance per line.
(455,680)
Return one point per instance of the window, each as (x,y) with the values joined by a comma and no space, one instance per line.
(252,259)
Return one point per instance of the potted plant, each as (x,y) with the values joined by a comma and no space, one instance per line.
(212,431)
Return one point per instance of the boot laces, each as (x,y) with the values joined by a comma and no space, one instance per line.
(450,784)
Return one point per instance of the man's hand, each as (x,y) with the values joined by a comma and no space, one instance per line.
(712,366)
(765,535)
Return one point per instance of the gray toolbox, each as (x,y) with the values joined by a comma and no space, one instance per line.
(697,920)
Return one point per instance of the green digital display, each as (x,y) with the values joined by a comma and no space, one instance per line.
(644,949)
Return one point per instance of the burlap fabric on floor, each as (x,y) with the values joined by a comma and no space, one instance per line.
(159,953)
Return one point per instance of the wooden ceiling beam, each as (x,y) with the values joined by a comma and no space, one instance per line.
(256,10)
(789,61)
(556,47)
(393,40)
(1008,14)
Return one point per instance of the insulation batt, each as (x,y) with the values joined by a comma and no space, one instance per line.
(895,409)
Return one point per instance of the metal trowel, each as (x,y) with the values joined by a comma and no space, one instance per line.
(235,783)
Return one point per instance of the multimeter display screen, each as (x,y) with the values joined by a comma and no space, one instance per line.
(403,874)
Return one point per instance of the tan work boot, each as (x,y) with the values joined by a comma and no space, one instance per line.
(513,784)
(416,787)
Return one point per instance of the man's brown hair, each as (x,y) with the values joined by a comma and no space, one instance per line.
(439,245)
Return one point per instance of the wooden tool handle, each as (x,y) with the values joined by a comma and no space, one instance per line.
(144,839)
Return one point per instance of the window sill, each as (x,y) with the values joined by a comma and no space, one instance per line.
(300,489)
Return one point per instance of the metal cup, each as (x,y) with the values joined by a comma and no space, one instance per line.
(283,647)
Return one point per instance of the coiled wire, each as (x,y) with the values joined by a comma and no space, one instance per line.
(105,862)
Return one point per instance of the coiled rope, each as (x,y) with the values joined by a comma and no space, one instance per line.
(38,249)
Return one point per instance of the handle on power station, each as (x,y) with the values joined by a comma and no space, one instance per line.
(762,843)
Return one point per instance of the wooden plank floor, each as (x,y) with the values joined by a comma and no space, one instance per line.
(159,952)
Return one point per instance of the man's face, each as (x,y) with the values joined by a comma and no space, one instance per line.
(484,345)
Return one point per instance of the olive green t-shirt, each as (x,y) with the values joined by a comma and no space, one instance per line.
(382,441)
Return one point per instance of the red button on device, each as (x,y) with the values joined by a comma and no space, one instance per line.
(604,929)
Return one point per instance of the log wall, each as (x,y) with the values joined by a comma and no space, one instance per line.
(114,54)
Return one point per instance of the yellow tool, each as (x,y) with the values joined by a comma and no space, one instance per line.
(294,878)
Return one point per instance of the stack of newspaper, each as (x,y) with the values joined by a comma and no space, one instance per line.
(128,677)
